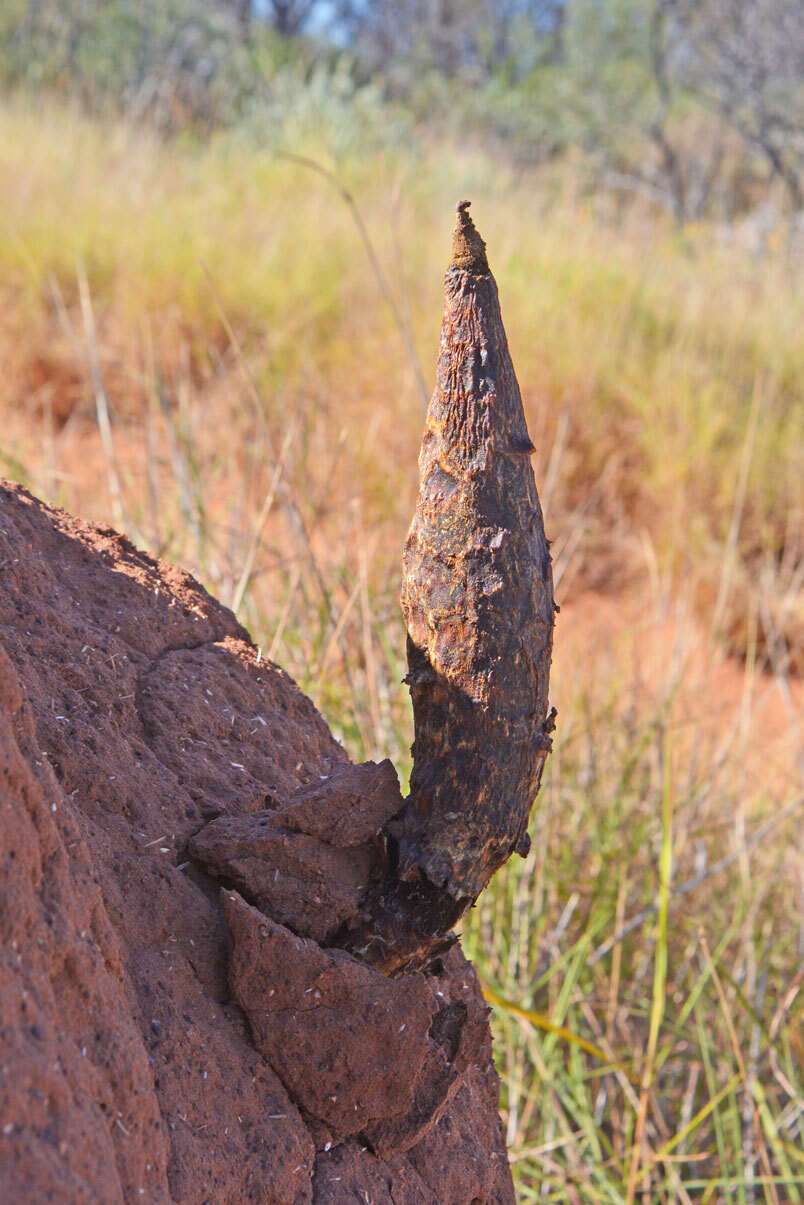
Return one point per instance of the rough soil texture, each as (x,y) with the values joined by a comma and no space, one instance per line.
(180,835)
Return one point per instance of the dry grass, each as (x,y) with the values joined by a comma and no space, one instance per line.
(197,348)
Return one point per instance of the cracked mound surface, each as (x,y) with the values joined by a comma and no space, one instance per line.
(150,761)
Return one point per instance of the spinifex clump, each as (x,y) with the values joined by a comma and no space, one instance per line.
(477,601)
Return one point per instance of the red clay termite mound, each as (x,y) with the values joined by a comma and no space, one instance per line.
(149,1050)
(226,969)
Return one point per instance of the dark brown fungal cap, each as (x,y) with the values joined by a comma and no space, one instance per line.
(468,248)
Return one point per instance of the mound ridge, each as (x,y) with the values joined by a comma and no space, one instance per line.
(156,1040)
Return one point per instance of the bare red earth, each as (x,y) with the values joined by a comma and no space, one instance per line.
(180,834)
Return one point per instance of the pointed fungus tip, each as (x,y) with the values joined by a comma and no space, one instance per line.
(468,248)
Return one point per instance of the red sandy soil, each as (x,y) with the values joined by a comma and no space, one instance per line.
(645,649)
(180,836)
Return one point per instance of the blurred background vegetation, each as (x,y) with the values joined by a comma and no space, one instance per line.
(222,237)
(697,104)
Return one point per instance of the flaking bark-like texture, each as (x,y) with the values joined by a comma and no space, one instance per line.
(477,601)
